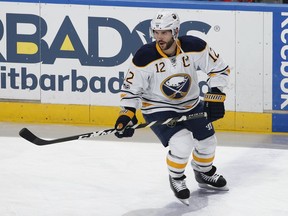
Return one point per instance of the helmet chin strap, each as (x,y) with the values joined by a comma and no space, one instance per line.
(177,44)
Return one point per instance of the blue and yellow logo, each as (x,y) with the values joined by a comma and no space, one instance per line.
(176,87)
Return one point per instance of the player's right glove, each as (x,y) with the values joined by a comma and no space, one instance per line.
(214,104)
(125,121)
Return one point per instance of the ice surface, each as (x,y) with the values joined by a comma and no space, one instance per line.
(123,178)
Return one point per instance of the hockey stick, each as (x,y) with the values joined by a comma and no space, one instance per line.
(29,136)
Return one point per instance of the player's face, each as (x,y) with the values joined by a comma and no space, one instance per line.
(164,38)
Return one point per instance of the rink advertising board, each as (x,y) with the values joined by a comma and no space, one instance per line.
(280,71)
(81,53)
(76,53)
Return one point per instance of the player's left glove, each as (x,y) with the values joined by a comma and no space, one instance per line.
(125,121)
(214,104)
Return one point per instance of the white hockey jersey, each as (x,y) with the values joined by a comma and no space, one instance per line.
(156,82)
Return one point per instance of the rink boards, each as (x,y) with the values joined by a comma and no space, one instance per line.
(64,61)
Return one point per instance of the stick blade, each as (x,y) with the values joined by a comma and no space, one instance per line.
(29,136)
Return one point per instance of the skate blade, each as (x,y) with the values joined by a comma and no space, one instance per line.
(184,201)
(209,187)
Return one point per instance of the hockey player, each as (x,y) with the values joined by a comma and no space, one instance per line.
(162,82)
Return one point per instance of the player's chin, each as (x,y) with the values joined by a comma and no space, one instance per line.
(163,46)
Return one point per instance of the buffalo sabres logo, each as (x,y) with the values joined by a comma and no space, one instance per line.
(177,86)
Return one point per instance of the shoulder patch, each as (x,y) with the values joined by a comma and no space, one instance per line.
(145,55)
(192,44)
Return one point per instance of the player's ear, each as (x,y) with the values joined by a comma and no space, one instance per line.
(177,31)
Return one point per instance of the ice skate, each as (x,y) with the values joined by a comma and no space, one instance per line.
(211,180)
(178,186)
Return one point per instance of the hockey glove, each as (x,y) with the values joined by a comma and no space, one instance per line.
(125,121)
(214,104)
